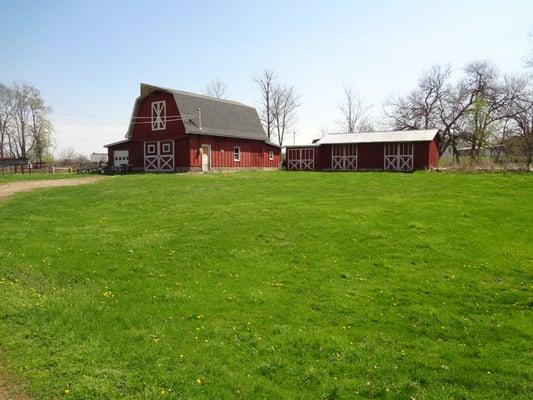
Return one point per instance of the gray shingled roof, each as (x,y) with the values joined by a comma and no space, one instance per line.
(219,117)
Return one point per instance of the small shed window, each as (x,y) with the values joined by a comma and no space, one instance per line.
(270,155)
(166,147)
(159,117)
(236,153)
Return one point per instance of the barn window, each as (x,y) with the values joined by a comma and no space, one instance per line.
(166,147)
(159,115)
(151,148)
(236,153)
(270,155)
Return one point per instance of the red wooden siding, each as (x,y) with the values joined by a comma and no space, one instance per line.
(370,156)
(433,154)
(253,153)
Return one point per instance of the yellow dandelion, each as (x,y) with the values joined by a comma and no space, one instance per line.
(199,381)
(67,391)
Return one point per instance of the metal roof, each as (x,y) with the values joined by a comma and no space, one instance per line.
(116,143)
(421,135)
(218,117)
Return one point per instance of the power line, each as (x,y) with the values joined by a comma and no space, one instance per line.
(128,118)
(169,120)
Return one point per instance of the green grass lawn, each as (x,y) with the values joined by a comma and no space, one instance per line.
(270,286)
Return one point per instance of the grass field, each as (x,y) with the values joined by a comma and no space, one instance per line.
(271,285)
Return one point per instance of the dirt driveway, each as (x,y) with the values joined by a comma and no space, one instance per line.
(12,188)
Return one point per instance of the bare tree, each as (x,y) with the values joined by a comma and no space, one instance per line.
(434,103)
(420,108)
(520,112)
(22,99)
(487,115)
(216,88)
(25,129)
(42,131)
(285,102)
(6,115)
(267,84)
(467,111)
(69,155)
(355,112)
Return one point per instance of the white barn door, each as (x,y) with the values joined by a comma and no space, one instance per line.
(206,157)
(301,159)
(399,156)
(159,156)
(344,157)
(120,157)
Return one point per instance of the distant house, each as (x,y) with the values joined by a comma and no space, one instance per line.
(98,157)
(367,151)
(171,130)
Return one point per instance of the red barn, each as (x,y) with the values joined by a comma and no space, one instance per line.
(171,130)
(367,151)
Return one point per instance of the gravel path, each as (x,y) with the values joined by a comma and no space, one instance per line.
(12,188)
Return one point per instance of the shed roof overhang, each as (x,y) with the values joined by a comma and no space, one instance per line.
(116,143)
(421,135)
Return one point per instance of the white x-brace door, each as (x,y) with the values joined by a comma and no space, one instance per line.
(398,156)
(159,156)
(301,159)
(344,157)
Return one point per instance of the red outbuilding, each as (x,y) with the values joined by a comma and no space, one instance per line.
(171,130)
(367,151)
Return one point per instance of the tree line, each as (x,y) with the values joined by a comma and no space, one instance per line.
(25,127)
(480,109)
(483,108)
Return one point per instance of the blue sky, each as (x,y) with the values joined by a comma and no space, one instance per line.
(88,58)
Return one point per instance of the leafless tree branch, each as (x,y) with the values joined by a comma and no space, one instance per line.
(216,88)
(355,112)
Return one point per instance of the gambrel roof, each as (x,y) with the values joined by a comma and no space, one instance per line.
(218,117)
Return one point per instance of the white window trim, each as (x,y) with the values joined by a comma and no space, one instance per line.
(237,153)
(150,149)
(159,115)
(270,155)
(166,147)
